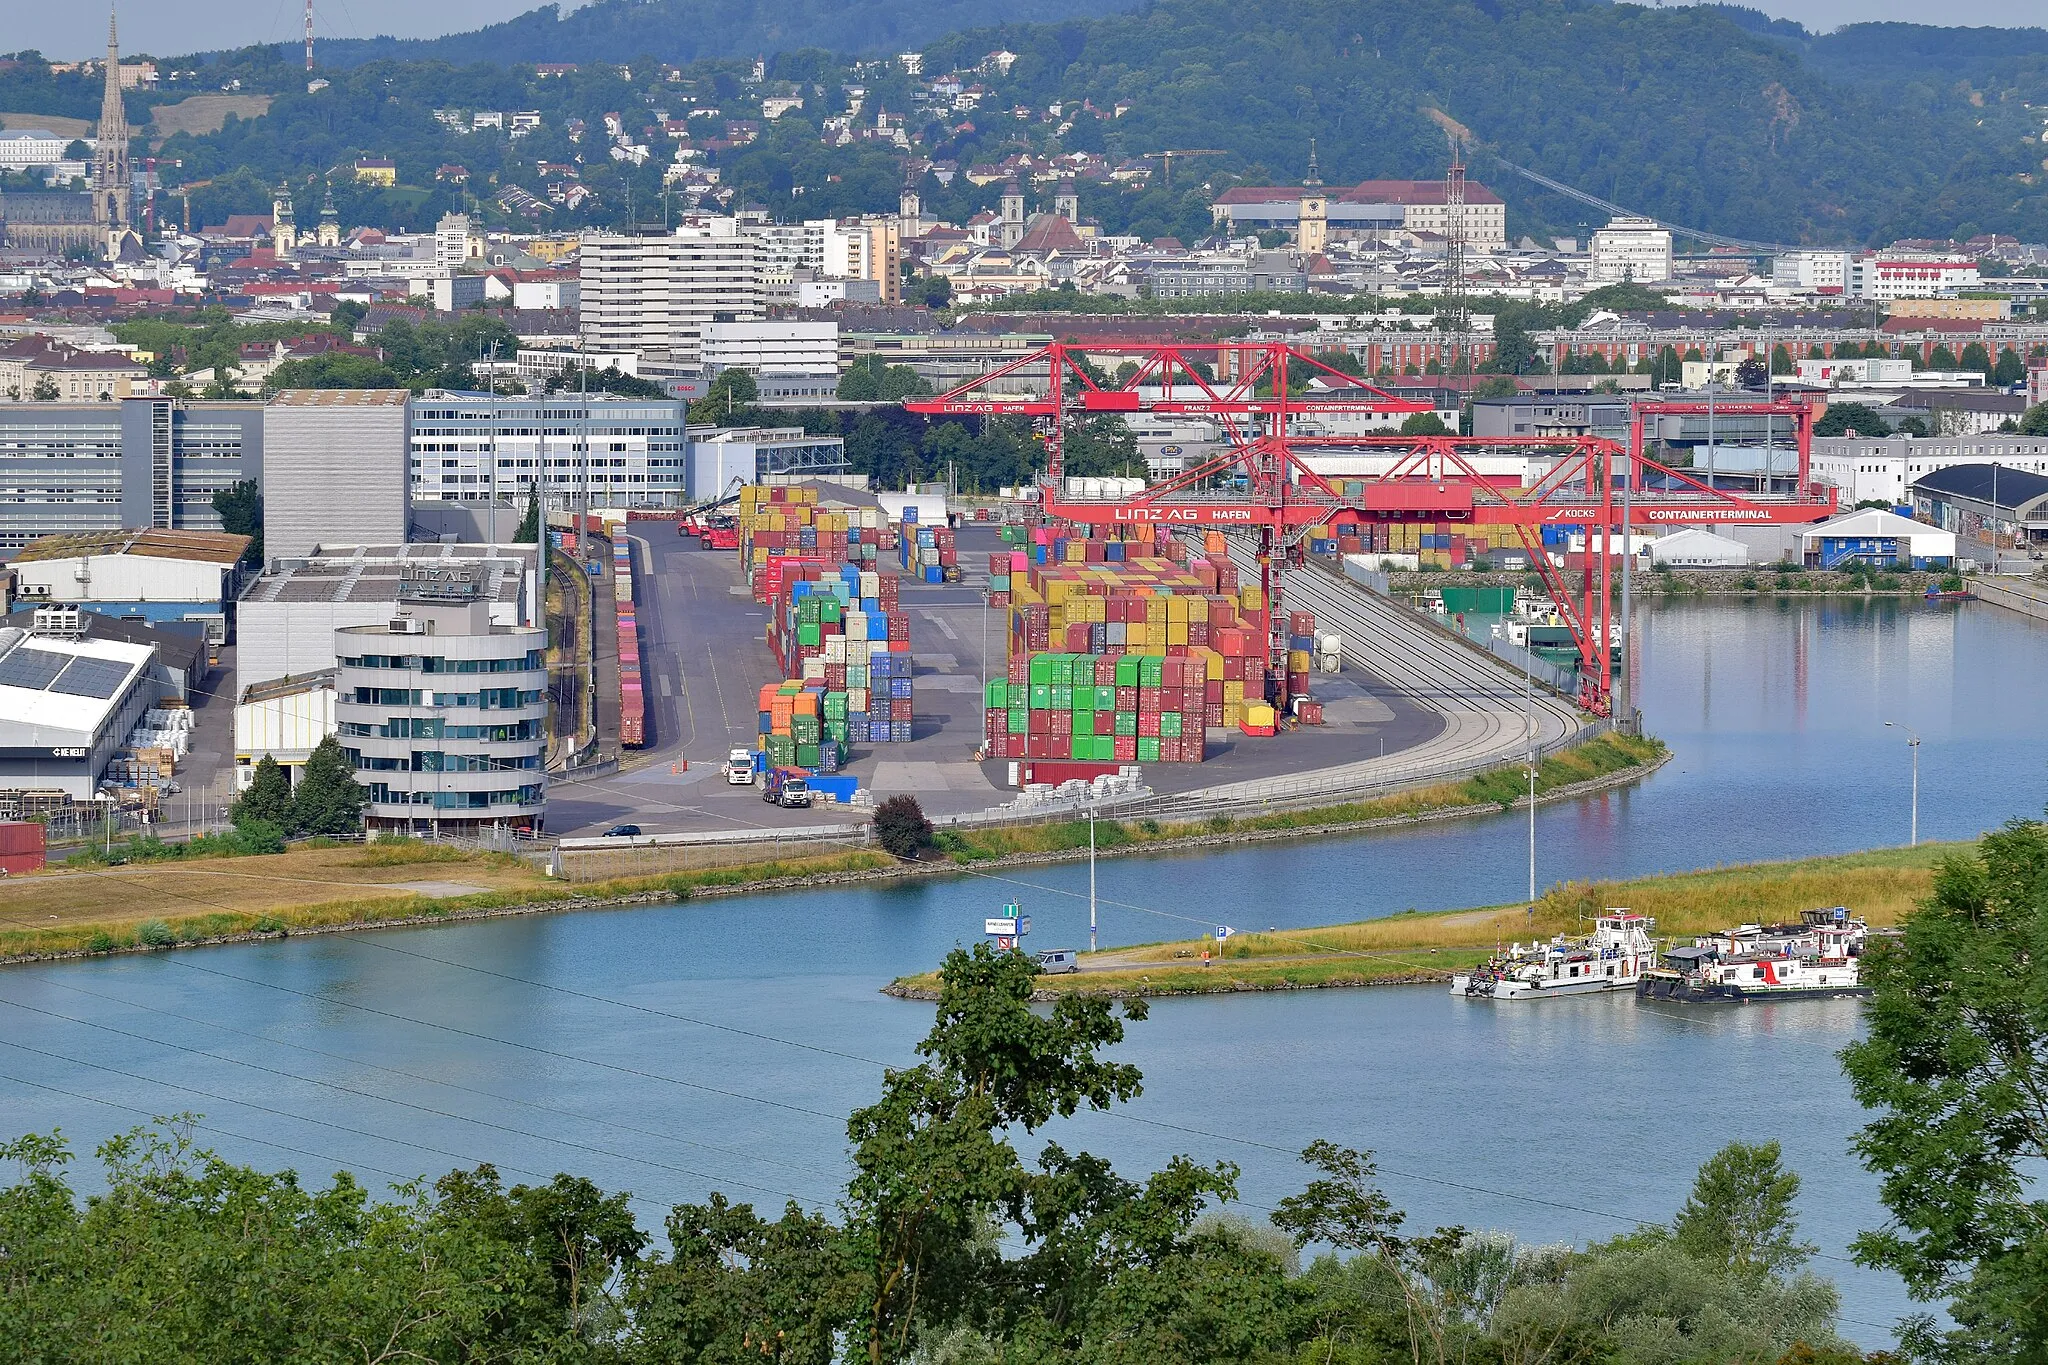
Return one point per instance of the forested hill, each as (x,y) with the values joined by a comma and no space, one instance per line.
(1682,112)
(687,30)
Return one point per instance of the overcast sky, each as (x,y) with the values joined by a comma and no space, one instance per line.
(176,26)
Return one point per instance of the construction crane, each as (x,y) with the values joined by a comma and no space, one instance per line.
(1262,485)
(1185,151)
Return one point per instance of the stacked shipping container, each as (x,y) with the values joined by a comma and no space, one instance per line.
(926,552)
(777,523)
(632,692)
(838,631)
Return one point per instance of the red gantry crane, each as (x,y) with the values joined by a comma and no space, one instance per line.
(1261,485)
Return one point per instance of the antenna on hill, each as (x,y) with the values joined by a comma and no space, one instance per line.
(1455,311)
(309,35)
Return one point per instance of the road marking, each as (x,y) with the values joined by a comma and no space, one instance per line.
(666,689)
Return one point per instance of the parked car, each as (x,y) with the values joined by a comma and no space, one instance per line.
(621,832)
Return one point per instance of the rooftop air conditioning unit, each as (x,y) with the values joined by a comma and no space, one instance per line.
(408,625)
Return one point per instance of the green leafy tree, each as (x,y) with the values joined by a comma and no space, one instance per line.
(1781,360)
(1842,418)
(1740,1212)
(329,800)
(1975,357)
(332,372)
(268,798)
(44,390)
(1752,373)
(1955,1069)
(240,509)
(1941,358)
(2034,421)
(1911,426)
(901,828)
(1424,424)
(2009,370)
(530,524)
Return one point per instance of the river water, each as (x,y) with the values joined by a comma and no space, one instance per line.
(673,1050)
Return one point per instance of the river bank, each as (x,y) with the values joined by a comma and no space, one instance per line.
(1881,886)
(1760,580)
(150,906)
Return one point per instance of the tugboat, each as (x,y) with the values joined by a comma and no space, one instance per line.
(1613,957)
(1816,959)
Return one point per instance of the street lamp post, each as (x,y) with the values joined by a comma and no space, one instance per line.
(1912,743)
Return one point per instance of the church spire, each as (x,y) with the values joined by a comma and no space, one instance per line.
(110,162)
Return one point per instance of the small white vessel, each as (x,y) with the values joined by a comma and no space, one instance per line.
(1613,957)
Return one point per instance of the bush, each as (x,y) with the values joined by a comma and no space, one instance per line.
(101,942)
(154,933)
(900,827)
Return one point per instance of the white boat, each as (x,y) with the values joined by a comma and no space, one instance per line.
(1613,957)
(1816,959)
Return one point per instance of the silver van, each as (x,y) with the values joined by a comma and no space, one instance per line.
(1058,960)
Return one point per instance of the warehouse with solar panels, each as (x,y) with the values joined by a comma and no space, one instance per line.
(66,706)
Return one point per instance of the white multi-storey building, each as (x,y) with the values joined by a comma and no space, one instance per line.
(444,715)
(653,291)
(23,148)
(1910,275)
(1869,467)
(582,451)
(1812,271)
(776,347)
(1630,249)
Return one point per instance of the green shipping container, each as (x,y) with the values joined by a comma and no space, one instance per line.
(1169,725)
(1041,671)
(835,705)
(1084,723)
(1105,697)
(1127,722)
(836,730)
(781,750)
(1062,697)
(1020,720)
(998,692)
(808,634)
(1127,671)
(857,676)
(807,754)
(1151,671)
(1041,696)
(1148,749)
(829,610)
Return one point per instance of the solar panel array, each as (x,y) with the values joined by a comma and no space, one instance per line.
(48,670)
(99,678)
(32,668)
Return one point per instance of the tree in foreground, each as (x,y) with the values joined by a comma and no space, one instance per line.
(268,798)
(329,800)
(901,828)
(1956,1067)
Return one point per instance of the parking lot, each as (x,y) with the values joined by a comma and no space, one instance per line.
(705,658)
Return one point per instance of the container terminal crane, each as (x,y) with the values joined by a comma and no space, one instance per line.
(1262,487)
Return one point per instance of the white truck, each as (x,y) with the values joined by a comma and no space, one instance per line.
(739,768)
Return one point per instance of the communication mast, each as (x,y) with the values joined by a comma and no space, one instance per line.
(309,35)
(1455,313)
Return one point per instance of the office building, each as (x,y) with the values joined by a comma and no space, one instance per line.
(723,457)
(1630,250)
(584,452)
(444,714)
(283,720)
(1866,468)
(652,291)
(1822,272)
(287,618)
(65,706)
(335,469)
(139,462)
(777,347)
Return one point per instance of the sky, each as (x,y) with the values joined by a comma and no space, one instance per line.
(168,27)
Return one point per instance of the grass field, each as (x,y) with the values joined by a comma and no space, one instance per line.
(97,909)
(203,114)
(55,123)
(1881,886)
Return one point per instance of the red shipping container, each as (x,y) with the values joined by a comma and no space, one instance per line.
(1148,700)
(1212,714)
(1148,724)
(1127,699)
(995,723)
(1105,671)
(897,646)
(1062,747)
(1105,723)
(1062,722)
(899,709)
(1020,671)
(1212,691)
(1126,747)
(1041,722)
(1038,746)
(21,846)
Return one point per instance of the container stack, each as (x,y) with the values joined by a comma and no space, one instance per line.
(1093,708)
(787,523)
(803,726)
(632,692)
(926,552)
(839,632)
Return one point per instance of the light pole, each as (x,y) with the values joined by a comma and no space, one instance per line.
(1529,723)
(1091,878)
(1912,743)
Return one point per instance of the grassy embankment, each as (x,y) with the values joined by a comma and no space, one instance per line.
(1881,886)
(181,900)
(102,909)
(1601,757)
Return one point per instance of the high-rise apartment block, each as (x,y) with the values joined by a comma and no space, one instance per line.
(652,291)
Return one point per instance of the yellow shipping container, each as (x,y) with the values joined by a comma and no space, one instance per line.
(1258,715)
(1251,597)
(1136,634)
(1233,691)
(1297,661)
(1176,632)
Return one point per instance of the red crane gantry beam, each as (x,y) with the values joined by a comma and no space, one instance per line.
(1263,483)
